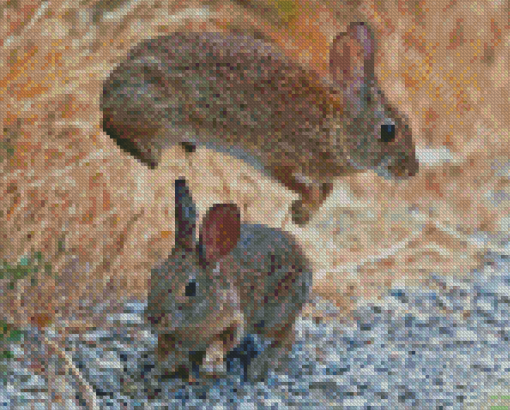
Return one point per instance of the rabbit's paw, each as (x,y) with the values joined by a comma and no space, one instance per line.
(301,212)
(214,363)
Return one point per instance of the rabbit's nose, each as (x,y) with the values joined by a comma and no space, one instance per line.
(153,319)
(413,167)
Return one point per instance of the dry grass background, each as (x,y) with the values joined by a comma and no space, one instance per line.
(101,219)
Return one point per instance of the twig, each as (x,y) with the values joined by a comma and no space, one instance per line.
(86,390)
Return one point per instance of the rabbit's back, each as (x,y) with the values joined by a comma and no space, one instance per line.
(272,275)
(227,91)
(238,84)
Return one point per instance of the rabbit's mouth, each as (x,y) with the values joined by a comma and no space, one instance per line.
(395,173)
(154,319)
(397,170)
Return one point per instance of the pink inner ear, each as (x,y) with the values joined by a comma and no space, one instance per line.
(220,231)
(347,60)
(361,33)
(339,61)
(352,55)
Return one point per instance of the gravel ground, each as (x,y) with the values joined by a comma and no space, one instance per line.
(421,348)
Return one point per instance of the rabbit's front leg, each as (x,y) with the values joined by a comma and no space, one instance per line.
(303,209)
(168,357)
(214,362)
(312,193)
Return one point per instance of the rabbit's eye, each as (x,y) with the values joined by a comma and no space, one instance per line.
(191,289)
(387,133)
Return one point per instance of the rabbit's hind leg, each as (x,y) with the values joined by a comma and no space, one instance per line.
(273,355)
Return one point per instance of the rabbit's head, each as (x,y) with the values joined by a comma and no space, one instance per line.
(191,300)
(377,136)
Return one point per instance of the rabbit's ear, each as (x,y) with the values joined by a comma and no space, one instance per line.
(185,216)
(351,58)
(220,232)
